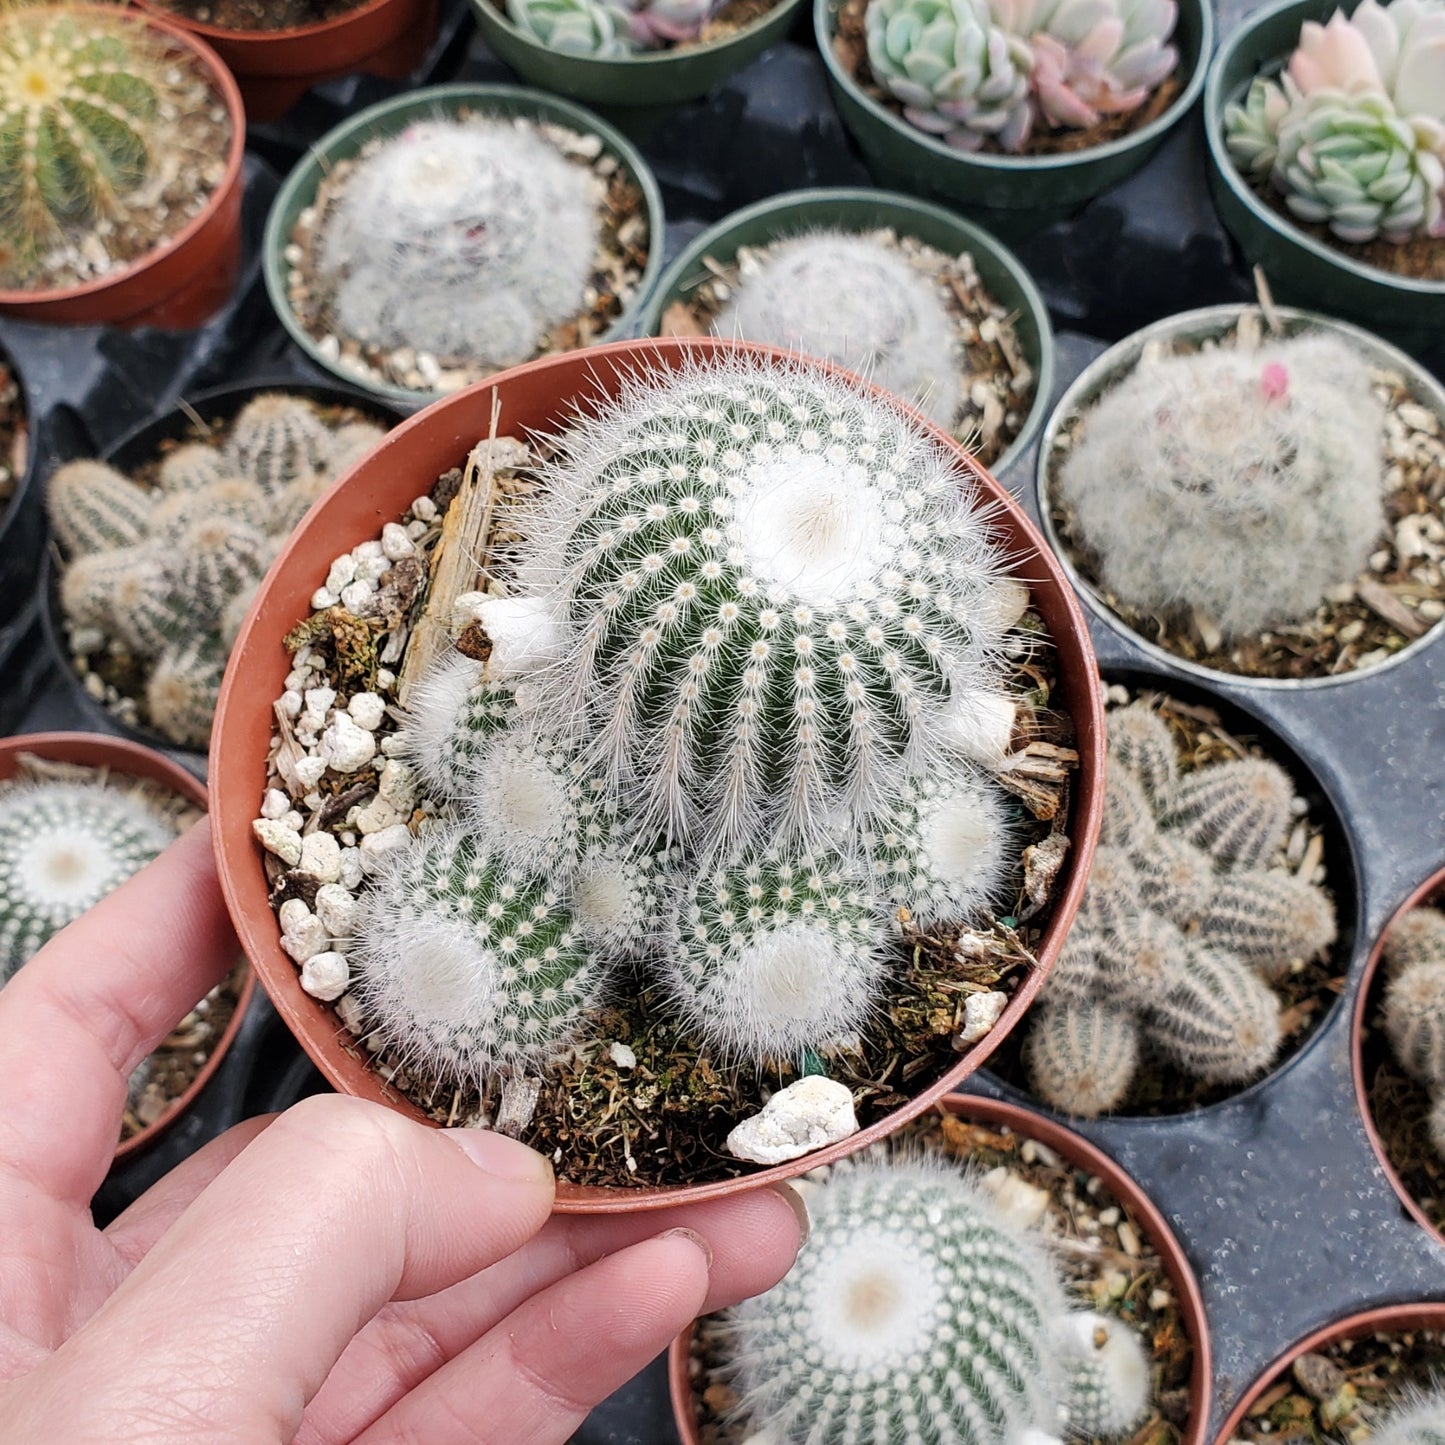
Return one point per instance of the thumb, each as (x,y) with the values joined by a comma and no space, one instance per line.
(234,1319)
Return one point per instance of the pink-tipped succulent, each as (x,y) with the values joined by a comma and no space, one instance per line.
(655,23)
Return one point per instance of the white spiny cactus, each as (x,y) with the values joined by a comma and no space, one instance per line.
(349,443)
(1237,812)
(1128,816)
(1175,878)
(1135,962)
(772,600)
(1269,918)
(1418,937)
(190,467)
(1418,1418)
(183,687)
(1075,977)
(1415,1021)
(467,239)
(857,301)
(1081,1055)
(230,498)
(63,847)
(1109,1386)
(452,714)
(1140,741)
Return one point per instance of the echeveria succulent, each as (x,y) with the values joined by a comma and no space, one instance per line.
(576,27)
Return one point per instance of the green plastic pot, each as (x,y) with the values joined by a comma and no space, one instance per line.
(654,78)
(390,117)
(780,217)
(1020,194)
(1300,268)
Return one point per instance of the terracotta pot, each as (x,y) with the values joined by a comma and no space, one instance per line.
(188,277)
(94,750)
(275,68)
(1365,1000)
(1078,1151)
(537,397)
(1389,1318)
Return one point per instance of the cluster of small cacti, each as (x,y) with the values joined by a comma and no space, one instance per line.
(1238,484)
(1414,1006)
(921,1314)
(768,613)
(167,572)
(85,107)
(1189,917)
(1352,134)
(852,300)
(467,240)
(996,72)
(63,847)
(605,29)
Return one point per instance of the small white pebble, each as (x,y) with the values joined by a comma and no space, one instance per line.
(355,595)
(385,679)
(1110,1216)
(981,1012)
(297,678)
(376,816)
(291,702)
(809,1113)
(622,1056)
(309,771)
(306,939)
(293,914)
(346,747)
(321,857)
(348,837)
(370,569)
(1158,1299)
(343,570)
(367,710)
(349,1012)
(275,804)
(364,550)
(395,544)
(375,846)
(325,975)
(424,509)
(336,908)
(464,610)
(319,700)
(312,799)
(323,598)
(352,868)
(275,838)
(393,745)
(398,785)
(416,530)
(293,819)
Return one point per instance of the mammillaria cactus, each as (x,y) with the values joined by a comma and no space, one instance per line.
(1352,135)
(1255,485)
(93,508)
(1181,931)
(63,847)
(854,301)
(920,1313)
(1419,1419)
(465,239)
(1108,1389)
(1414,1006)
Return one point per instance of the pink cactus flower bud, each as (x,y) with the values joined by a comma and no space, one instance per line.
(1274,381)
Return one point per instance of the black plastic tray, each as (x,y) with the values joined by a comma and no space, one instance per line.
(1276,1194)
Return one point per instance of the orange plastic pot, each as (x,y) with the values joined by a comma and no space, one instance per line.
(185,279)
(537,398)
(275,68)
(1083,1155)
(94,750)
(1390,1319)
(1429,892)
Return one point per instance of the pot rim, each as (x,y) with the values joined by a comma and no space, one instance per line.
(1228,173)
(317,29)
(305,177)
(1422,895)
(1417,1314)
(1029,1124)
(1120,360)
(223,84)
(321,1033)
(120,755)
(799,202)
(825,27)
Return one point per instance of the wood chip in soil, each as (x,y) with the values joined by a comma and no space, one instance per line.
(14,434)
(260,14)
(850,47)
(1362,622)
(1342,1392)
(1306,994)
(995,380)
(624,249)
(1101,1249)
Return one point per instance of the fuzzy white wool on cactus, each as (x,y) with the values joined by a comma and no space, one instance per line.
(1109,1384)
(525,633)
(451,714)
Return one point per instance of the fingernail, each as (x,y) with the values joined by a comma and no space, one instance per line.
(498,1155)
(695,1237)
(794,1201)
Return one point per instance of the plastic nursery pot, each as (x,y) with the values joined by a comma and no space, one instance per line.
(275,68)
(132,760)
(186,278)
(1301,268)
(140,445)
(651,78)
(1083,1155)
(1205,324)
(389,118)
(1389,1319)
(1366,1001)
(538,397)
(781,217)
(21,521)
(1026,192)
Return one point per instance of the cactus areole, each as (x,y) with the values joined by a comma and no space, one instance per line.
(742,710)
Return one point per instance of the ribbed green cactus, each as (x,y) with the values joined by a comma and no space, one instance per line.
(1237,812)
(1415,1021)
(349,443)
(1140,741)
(1175,878)
(1081,1055)
(277,438)
(190,467)
(1135,963)
(452,715)
(1075,977)
(228,499)
(93,508)
(183,687)
(1269,918)
(469,965)
(93,583)
(1418,937)
(148,614)
(1113,898)
(1128,818)
(63,847)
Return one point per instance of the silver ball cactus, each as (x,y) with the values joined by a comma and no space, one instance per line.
(1416,1419)
(1109,1384)
(856,301)
(63,847)
(1414,1006)
(1240,484)
(468,240)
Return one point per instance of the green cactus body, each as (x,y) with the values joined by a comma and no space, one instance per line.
(1415,1021)
(1418,937)
(1113,900)
(183,687)
(1140,741)
(229,499)
(63,847)
(1135,963)
(452,716)
(1128,818)
(1239,812)
(469,965)
(917,1314)
(1081,1056)
(1269,917)
(1075,977)
(775,954)
(215,558)
(93,584)
(1175,878)
(775,604)
(148,613)
(1109,1387)
(275,439)
(191,467)
(93,508)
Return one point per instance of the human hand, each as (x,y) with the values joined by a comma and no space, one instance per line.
(335,1273)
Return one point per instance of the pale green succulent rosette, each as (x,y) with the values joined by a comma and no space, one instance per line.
(574,27)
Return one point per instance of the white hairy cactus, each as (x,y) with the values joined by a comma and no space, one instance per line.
(769,599)
(63,847)
(1109,1386)
(1415,1021)
(1081,1055)
(1238,812)
(452,714)
(1418,937)
(857,301)
(1416,1419)
(92,507)
(467,239)
(1241,484)
(190,467)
